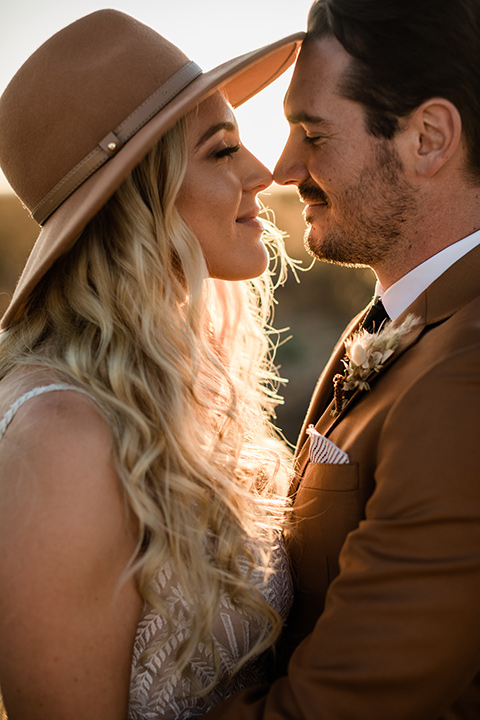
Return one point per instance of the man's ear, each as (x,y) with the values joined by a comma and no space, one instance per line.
(437,132)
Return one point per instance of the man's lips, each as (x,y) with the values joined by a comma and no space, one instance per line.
(313,207)
(311,204)
(312,194)
(314,211)
(314,200)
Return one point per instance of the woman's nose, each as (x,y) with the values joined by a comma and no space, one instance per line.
(257,176)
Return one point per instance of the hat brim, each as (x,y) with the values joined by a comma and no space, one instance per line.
(241,78)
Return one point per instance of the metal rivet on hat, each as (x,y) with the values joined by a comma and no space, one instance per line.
(110,145)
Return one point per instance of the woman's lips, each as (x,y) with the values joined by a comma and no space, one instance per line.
(250,218)
(251,221)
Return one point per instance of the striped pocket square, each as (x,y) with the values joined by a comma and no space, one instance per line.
(323,450)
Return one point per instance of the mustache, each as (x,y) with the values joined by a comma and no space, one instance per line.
(310,192)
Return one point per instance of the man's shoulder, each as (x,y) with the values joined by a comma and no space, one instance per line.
(462,327)
(447,337)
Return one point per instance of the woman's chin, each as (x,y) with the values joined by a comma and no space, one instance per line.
(251,265)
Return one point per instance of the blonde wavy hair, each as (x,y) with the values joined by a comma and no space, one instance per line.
(182,366)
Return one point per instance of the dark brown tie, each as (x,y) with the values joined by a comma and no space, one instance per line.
(375,318)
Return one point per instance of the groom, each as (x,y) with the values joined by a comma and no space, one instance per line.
(384,147)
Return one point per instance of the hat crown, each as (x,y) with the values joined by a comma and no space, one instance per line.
(73,91)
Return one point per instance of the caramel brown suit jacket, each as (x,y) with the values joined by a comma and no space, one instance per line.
(386,549)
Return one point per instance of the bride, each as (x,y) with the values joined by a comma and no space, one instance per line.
(142,485)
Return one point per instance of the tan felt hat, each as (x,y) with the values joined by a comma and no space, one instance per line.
(88,105)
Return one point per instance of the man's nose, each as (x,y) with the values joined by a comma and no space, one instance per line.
(290,168)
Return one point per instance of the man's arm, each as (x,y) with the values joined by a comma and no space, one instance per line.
(400,634)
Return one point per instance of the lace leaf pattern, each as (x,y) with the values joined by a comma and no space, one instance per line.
(157,690)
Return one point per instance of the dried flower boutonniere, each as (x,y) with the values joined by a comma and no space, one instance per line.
(366,353)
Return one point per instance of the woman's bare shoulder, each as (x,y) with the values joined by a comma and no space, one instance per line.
(56,420)
(67,541)
(57,451)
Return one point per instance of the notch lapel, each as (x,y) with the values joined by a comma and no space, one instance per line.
(457,286)
(327,421)
(320,403)
(324,387)
(319,413)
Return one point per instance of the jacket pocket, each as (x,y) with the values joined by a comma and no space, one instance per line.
(326,476)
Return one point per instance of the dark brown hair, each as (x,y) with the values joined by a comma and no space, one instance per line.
(404,52)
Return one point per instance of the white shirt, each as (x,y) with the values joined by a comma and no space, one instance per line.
(401,294)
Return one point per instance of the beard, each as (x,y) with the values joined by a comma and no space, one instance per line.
(369,215)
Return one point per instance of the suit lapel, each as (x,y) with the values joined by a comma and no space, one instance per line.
(328,420)
(322,412)
(324,387)
(459,285)
(320,404)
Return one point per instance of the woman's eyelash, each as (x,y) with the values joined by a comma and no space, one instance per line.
(227,151)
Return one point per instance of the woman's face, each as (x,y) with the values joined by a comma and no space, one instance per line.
(217,198)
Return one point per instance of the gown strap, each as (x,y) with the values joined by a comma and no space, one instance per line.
(40,390)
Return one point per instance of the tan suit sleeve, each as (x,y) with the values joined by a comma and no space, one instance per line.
(399,638)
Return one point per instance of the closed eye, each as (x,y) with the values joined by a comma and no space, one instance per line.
(227,151)
(313,139)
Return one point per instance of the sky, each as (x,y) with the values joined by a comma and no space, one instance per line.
(208,31)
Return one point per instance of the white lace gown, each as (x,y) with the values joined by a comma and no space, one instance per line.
(156,689)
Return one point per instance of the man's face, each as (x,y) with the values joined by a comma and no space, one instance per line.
(358,202)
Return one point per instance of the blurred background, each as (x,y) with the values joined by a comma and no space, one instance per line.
(311,313)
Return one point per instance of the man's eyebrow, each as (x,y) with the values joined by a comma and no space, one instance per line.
(307,119)
(228,126)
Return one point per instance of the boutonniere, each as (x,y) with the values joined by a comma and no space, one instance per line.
(365,354)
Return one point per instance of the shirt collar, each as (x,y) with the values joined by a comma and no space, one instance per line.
(399,296)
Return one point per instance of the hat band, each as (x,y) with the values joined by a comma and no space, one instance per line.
(114,141)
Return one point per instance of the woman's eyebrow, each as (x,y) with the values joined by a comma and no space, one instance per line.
(229,126)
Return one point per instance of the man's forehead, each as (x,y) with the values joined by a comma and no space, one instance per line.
(320,65)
